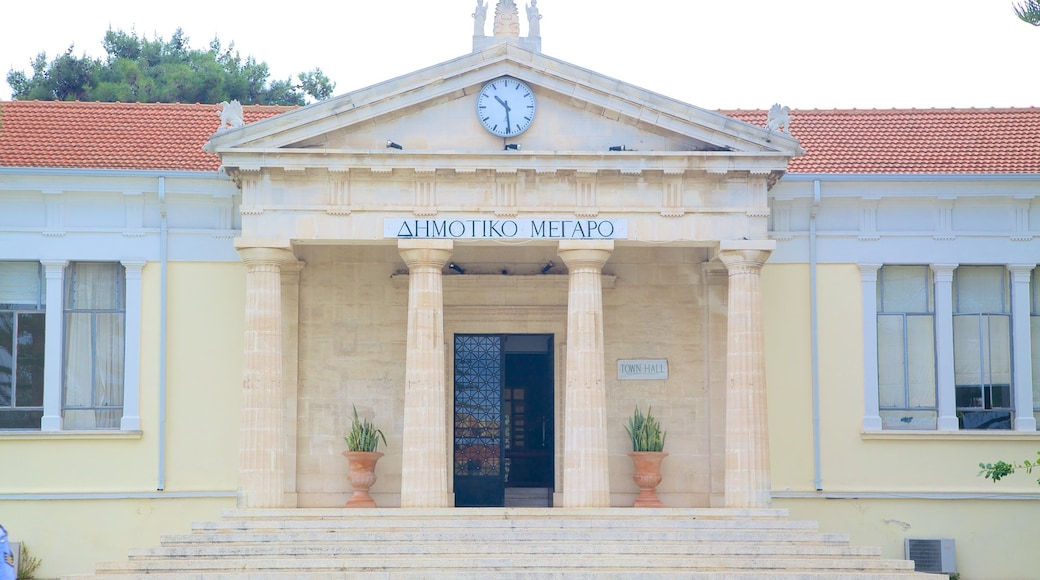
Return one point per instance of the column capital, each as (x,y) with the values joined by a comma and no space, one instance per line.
(1021,272)
(869,272)
(425,253)
(577,253)
(738,261)
(266,256)
(54,268)
(133,268)
(943,272)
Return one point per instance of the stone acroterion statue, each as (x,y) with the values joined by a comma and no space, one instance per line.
(534,25)
(231,116)
(479,18)
(779,116)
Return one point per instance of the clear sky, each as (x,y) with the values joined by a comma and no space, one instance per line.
(711,53)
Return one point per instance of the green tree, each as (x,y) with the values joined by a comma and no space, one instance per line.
(137,68)
(1029,11)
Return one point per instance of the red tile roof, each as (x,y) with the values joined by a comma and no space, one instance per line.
(891,141)
(112,135)
(905,141)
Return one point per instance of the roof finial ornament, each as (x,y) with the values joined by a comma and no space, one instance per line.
(507,19)
(779,116)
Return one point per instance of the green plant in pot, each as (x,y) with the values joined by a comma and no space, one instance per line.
(647,454)
(362,442)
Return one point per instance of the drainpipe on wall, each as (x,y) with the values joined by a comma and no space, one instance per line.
(163,233)
(814,332)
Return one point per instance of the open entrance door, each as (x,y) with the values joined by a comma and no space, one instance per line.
(503,439)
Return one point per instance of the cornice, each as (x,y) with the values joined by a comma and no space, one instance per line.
(627,162)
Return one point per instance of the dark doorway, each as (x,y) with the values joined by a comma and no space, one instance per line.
(503,440)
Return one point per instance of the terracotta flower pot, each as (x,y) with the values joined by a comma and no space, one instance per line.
(362,476)
(647,476)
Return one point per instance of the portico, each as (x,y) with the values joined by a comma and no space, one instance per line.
(364,261)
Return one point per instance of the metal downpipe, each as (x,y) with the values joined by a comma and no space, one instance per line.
(164,265)
(815,339)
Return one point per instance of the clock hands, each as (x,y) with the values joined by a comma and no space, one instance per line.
(506,105)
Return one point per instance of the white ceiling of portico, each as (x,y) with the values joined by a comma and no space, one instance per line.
(432,112)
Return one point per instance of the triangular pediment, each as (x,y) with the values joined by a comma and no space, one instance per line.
(433,112)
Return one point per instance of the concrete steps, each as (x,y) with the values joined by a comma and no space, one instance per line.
(535,543)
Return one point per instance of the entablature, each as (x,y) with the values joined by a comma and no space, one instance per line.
(626,162)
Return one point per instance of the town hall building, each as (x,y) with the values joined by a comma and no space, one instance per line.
(496,260)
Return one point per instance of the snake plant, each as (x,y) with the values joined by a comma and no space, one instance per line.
(363,435)
(645,432)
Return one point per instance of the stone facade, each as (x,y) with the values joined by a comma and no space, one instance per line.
(375,328)
(656,304)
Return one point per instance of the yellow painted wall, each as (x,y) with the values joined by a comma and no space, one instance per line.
(70,536)
(205,333)
(785,308)
(994,539)
(204,378)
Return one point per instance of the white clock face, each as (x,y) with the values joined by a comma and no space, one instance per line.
(506,107)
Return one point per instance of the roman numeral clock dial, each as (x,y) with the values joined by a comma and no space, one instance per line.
(506,107)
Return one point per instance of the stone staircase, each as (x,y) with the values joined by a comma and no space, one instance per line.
(514,543)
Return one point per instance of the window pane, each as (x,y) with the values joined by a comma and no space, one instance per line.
(6,359)
(908,419)
(109,362)
(998,348)
(29,385)
(967,350)
(921,357)
(20,284)
(905,289)
(980,289)
(891,361)
(79,359)
(95,286)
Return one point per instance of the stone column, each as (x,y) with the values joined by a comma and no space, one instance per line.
(131,420)
(868,276)
(947,401)
(586,479)
(747,428)
(1021,342)
(424,470)
(54,327)
(291,372)
(261,472)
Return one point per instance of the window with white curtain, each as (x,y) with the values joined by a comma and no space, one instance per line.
(1034,328)
(95,319)
(22,325)
(906,348)
(982,347)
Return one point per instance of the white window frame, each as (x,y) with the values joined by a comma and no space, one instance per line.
(928,312)
(54,275)
(1021,345)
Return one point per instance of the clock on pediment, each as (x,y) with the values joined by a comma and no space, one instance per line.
(506,107)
